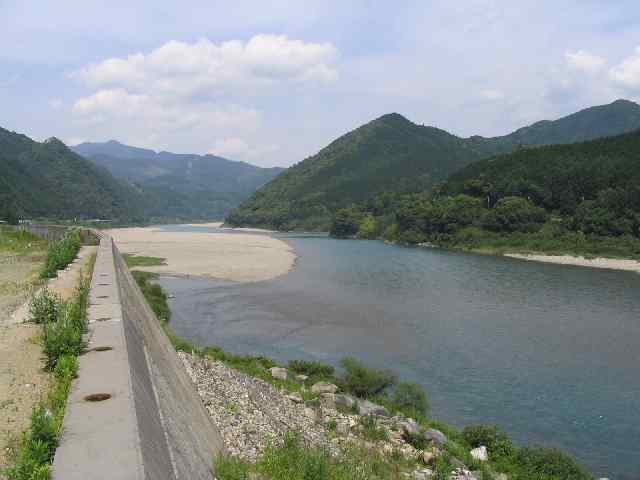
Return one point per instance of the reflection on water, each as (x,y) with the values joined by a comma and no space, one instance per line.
(549,353)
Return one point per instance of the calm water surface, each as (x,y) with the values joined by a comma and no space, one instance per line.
(550,353)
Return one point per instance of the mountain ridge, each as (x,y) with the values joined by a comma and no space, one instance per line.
(391,153)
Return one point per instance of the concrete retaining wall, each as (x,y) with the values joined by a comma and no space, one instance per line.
(154,425)
(54,233)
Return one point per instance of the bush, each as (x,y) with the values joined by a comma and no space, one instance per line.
(363,381)
(549,464)
(44,307)
(311,368)
(153,293)
(491,437)
(410,399)
(370,429)
(60,254)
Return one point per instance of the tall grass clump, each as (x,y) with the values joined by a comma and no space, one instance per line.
(60,254)
(44,307)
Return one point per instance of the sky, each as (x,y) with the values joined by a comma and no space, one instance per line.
(272,82)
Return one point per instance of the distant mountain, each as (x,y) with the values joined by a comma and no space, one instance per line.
(49,180)
(180,185)
(395,155)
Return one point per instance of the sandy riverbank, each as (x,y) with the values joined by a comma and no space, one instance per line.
(609,263)
(236,229)
(227,256)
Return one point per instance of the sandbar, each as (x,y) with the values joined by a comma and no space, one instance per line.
(228,256)
(609,263)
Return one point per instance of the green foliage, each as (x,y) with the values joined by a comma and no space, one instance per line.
(392,156)
(496,441)
(232,468)
(60,254)
(49,180)
(153,293)
(346,223)
(19,242)
(35,451)
(44,306)
(410,399)
(311,368)
(371,431)
(363,381)
(63,337)
(548,464)
(512,214)
(143,261)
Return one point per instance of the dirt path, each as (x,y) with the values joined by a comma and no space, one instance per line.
(22,381)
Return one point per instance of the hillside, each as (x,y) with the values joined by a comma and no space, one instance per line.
(392,154)
(49,180)
(180,186)
(582,198)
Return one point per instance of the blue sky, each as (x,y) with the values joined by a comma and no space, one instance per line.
(273,82)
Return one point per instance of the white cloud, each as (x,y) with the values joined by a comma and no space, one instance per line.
(585,61)
(627,73)
(204,68)
(235,147)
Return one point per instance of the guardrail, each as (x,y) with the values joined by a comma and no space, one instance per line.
(132,413)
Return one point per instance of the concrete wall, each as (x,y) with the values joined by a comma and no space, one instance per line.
(154,425)
(54,233)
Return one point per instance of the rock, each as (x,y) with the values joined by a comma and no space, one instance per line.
(435,436)
(369,408)
(323,387)
(301,378)
(310,413)
(410,428)
(279,373)
(328,400)
(342,428)
(480,453)
(295,397)
(422,474)
(344,401)
(462,474)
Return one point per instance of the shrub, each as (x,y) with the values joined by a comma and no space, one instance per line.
(410,399)
(60,254)
(363,381)
(62,337)
(311,368)
(491,437)
(44,307)
(549,464)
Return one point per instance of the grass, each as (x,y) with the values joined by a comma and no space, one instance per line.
(19,242)
(142,261)
(294,460)
(61,253)
(61,343)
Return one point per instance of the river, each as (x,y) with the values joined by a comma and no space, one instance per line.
(549,353)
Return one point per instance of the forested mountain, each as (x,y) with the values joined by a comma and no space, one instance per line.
(395,156)
(49,180)
(580,198)
(180,186)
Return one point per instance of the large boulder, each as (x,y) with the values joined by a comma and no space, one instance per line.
(435,436)
(462,474)
(328,400)
(323,387)
(410,428)
(480,454)
(345,401)
(279,373)
(365,407)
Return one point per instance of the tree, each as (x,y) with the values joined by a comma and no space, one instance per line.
(346,223)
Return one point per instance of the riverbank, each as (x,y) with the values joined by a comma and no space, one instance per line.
(608,263)
(238,257)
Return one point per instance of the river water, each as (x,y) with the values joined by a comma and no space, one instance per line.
(549,353)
